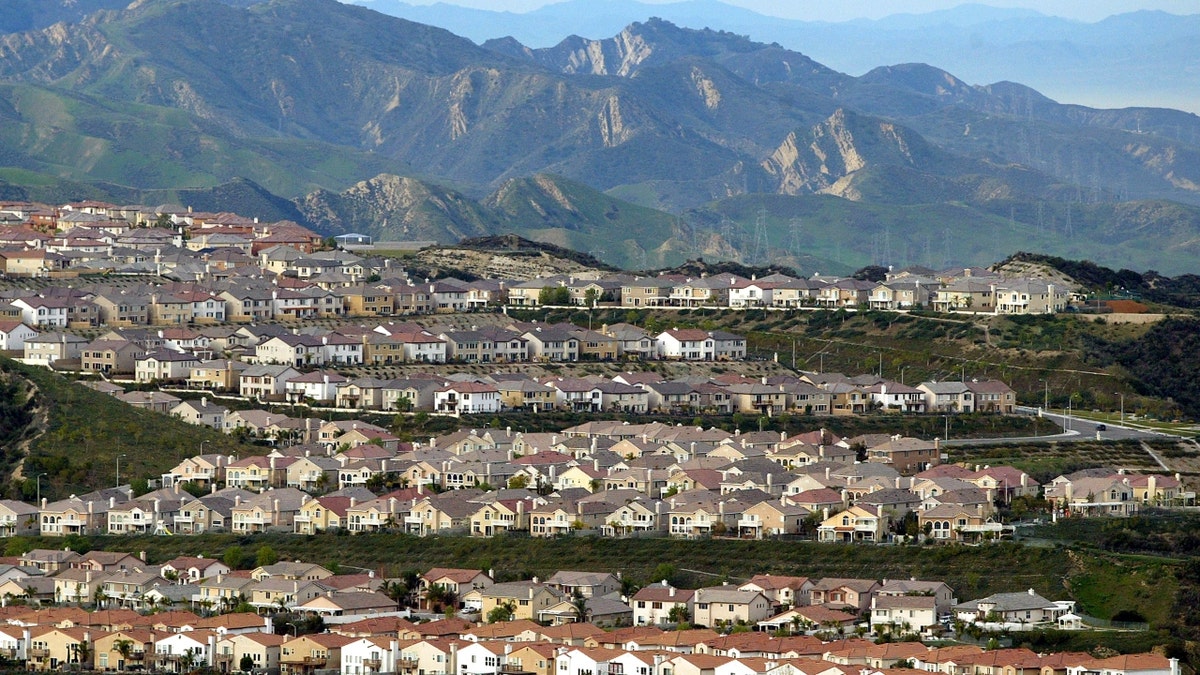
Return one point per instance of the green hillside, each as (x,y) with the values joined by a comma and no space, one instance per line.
(572,215)
(1135,235)
(78,434)
(83,138)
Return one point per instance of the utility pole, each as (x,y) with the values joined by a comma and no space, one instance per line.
(1122,406)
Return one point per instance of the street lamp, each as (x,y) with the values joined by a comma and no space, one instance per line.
(1046,399)
(39,488)
(1122,406)
(119,470)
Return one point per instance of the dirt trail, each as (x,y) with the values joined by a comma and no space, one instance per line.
(41,421)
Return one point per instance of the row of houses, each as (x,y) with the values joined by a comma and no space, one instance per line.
(171,354)
(224,248)
(372,646)
(472,394)
(970,289)
(284,284)
(572,622)
(609,478)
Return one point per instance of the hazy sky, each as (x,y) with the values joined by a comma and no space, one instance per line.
(840,10)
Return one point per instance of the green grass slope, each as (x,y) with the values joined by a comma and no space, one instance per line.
(79,433)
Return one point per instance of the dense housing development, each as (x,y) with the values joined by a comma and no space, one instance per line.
(115,611)
(604,478)
(263,331)
(217,267)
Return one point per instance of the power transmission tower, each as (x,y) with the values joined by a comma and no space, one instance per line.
(795,230)
(759,246)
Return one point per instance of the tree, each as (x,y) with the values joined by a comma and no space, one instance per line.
(396,590)
(504,611)
(140,486)
(518,482)
(872,273)
(679,615)
(187,660)
(82,651)
(580,607)
(266,555)
(100,597)
(439,597)
(124,647)
(246,664)
(233,557)
(663,572)
(591,297)
(554,295)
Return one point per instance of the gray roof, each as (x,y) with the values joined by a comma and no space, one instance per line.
(1009,602)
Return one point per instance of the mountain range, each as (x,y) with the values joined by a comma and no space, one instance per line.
(652,145)
(1140,58)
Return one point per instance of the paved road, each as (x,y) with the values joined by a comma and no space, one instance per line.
(1074,431)
(1087,428)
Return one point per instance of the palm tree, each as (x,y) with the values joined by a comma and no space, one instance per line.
(580,607)
(124,647)
(187,660)
(440,596)
(396,590)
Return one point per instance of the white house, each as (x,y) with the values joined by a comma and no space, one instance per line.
(319,385)
(372,655)
(480,658)
(292,350)
(687,344)
(164,364)
(901,614)
(13,335)
(342,349)
(42,312)
(653,604)
(199,644)
(464,398)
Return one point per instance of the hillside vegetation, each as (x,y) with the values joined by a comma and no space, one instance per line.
(86,431)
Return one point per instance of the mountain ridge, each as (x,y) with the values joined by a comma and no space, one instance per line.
(362,118)
(1092,57)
